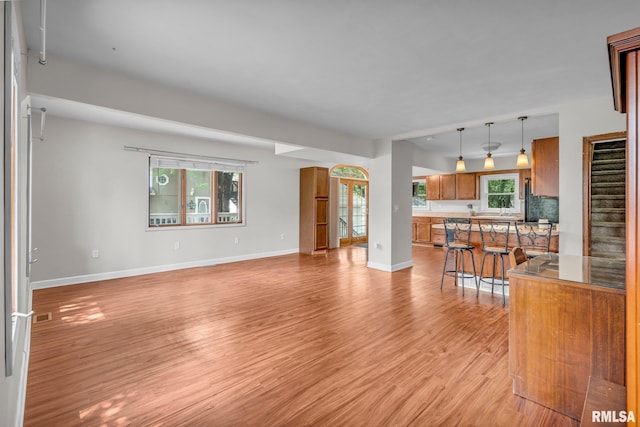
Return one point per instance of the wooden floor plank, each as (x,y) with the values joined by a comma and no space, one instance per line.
(291,340)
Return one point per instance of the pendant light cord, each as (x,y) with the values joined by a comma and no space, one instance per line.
(460,130)
(522,119)
(488,124)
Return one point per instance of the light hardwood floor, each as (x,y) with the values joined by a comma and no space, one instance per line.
(286,341)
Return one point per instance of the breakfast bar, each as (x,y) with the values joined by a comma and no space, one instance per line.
(566,325)
(439,238)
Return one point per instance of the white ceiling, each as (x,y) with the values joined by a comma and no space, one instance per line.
(375,68)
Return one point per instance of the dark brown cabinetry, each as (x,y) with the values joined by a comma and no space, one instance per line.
(544,167)
(314,210)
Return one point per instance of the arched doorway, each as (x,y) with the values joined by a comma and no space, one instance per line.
(353,204)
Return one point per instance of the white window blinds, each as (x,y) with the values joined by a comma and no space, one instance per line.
(196,164)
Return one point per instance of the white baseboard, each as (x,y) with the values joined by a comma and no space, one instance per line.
(390,268)
(74,280)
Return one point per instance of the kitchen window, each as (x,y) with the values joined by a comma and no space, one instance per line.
(190,192)
(499,193)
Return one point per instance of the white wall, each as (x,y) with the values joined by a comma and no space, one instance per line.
(89,193)
(390,206)
(592,117)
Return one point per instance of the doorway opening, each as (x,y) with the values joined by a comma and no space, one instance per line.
(353,204)
(604,214)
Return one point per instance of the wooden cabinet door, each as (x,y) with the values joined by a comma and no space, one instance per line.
(433,187)
(447,187)
(466,186)
(322,182)
(421,229)
(322,225)
(544,167)
(423,232)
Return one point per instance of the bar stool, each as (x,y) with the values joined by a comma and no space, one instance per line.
(495,243)
(534,238)
(458,237)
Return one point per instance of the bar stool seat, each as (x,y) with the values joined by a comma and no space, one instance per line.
(458,241)
(495,243)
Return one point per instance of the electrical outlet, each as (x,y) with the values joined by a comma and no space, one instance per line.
(236,240)
(176,245)
(282,236)
(95,253)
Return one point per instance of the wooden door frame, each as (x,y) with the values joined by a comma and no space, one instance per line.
(624,61)
(587,157)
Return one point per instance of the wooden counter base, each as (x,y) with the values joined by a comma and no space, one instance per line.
(560,334)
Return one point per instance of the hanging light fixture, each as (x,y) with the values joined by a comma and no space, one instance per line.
(460,167)
(523,160)
(488,162)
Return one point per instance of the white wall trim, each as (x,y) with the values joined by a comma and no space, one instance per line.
(24,371)
(74,280)
(390,268)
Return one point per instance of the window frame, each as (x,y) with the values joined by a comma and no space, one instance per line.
(213,167)
(484,191)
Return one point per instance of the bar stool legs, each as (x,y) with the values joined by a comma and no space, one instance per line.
(459,270)
(493,272)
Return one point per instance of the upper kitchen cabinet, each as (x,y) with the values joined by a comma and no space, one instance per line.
(433,187)
(460,186)
(447,187)
(544,167)
(466,186)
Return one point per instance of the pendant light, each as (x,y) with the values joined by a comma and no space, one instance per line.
(488,162)
(460,167)
(523,160)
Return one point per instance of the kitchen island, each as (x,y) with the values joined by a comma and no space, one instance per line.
(566,324)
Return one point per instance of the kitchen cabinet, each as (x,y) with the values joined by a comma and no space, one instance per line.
(460,186)
(544,167)
(433,187)
(466,186)
(447,187)
(314,210)
(421,229)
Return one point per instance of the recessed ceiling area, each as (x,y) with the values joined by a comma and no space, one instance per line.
(506,137)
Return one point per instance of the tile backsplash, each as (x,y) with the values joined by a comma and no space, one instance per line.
(542,207)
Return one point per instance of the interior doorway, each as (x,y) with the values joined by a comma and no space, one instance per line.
(604,215)
(353,204)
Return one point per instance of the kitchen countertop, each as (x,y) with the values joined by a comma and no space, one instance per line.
(475,227)
(512,217)
(582,270)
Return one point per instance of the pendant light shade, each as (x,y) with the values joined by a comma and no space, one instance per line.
(488,162)
(523,160)
(460,166)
